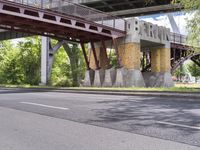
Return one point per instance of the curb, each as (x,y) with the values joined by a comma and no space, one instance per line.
(135,93)
(193,95)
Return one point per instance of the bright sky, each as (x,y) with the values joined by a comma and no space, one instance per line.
(162,20)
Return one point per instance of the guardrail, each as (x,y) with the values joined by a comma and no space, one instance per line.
(178,38)
(74,9)
(182,39)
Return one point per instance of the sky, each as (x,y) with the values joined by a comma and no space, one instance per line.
(162,20)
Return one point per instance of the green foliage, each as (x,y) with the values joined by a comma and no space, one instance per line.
(193,23)
(11,72)
(113,58)
(60,75)
(194,69)
(29,59)
(77,63)
(181,71)
(10,69)
(20,63)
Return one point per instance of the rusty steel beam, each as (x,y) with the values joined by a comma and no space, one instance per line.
(180,46)
(47,22)
(85,55)
(95,55)
(104,47)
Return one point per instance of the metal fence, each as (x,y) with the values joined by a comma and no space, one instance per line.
(74,9)
(178,38)
(182,39)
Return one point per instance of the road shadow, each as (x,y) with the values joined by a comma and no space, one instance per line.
(142,116)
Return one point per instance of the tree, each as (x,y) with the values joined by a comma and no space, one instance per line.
(29,59)
(194,69)
(10,69)
(192,7)
(181,72)
(21,64)
(76,62)
(61,73)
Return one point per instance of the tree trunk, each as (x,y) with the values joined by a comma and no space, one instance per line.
(73,57)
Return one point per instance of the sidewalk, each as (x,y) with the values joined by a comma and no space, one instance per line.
(28,131)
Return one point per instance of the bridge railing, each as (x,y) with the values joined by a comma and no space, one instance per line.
(182,39)
(178,38)
(74,9)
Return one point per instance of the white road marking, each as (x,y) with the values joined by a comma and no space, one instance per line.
(178,125)
(42,105)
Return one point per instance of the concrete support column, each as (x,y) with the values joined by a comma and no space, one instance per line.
(155,60)
(160,75)
(47,58)
(160,59)
(44,60)
(130,75)
(129,50)
(129,54)
(165,63)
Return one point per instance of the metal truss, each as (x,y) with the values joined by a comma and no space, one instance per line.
(23,18)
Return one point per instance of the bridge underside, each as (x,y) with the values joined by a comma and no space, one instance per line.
(129,44)
(130,8)
(8,35)
(22,18)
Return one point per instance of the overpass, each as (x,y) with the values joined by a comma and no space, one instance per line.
(71,22)
(50,19)
(130,8)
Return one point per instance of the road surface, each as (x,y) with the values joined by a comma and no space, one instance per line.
(60,121)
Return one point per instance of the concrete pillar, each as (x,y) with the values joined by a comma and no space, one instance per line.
(160,59)
(130,55)
(89,78)
(44,60)
(155,60)
(165,63)
(47,58)
(129,50)
(99,77)
(120,78)
(160,75)
(110,77)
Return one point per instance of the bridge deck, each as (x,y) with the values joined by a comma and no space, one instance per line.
(130,8)
(52,21)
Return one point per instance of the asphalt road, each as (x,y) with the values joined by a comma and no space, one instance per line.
(170,119)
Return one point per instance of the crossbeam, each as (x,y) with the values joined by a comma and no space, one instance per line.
(29,19)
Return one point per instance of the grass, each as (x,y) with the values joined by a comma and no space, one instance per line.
(178,88)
